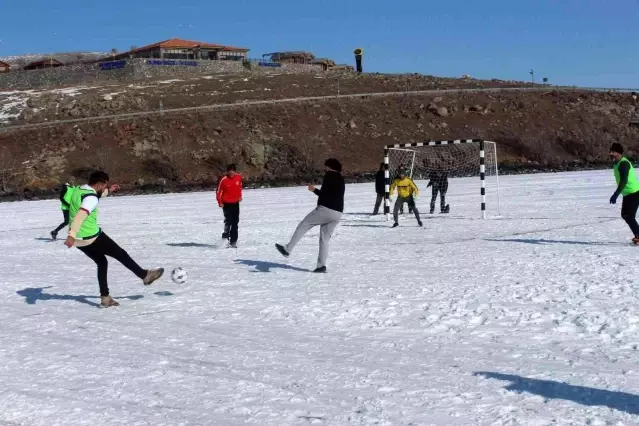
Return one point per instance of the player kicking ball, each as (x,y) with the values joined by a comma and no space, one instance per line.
(407,192)
(86,235)
(327,214)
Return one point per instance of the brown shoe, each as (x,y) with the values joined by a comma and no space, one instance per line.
(108,301)
(152,275)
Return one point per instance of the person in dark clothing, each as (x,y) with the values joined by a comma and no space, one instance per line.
(628,187)
(327,214)
(438,180)
(380,187)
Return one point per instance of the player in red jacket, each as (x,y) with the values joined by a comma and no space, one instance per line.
(229,196)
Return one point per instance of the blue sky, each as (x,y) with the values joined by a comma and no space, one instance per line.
(587,42)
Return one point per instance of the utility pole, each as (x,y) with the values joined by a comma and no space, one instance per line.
(532,76)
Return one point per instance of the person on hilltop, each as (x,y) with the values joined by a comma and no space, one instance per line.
(628,187)
(90,239)
(327,214)
(229,197)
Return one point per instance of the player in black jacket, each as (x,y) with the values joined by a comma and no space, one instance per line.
(380,188)
(327,214)
(439,183)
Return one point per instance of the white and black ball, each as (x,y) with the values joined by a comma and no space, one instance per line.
(179,275)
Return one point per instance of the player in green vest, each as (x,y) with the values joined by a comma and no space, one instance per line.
(86,234)
(628,187)
(65,196)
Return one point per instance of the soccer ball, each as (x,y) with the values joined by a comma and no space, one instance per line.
(179,275)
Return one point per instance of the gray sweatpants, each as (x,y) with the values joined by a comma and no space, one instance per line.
(321,216)
(399,204)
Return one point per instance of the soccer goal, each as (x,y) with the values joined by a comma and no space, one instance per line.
(437,161)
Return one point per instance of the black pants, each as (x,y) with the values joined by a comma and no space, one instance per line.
(102,247)
(65,213)
(442,197)
(629,212)
(378,202)
(231,220)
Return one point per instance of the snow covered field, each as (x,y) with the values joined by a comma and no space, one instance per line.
(526,319)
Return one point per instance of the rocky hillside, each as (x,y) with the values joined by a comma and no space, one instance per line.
(287,142)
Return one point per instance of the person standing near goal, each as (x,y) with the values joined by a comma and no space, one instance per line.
(327,214)
(229,197)
(380,188)
(438,180)
(407,192)
(88,237)
(628,187)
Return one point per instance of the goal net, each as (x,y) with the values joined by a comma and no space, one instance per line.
(453,176)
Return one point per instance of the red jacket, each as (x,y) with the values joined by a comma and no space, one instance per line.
(229,191)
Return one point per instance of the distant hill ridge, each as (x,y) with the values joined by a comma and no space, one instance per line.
(64,57)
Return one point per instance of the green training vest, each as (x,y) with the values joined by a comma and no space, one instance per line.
(633,184)
(66,198)
(90,226)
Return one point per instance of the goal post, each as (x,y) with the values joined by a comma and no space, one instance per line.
(439,160)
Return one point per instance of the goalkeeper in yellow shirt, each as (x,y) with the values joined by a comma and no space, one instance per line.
(407,192)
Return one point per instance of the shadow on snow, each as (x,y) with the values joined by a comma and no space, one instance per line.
(364,225)
(192,245)
(620,401)
(32,295)
(262,266)
(542,241)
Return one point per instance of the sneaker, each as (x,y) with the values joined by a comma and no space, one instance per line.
(152,275)
(635,240)
(282,250)
(54,235)
(108,301)
(232,245)
(419,222)
(395,225)
(320,270)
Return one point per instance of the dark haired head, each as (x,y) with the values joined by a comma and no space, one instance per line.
(616,147)
(231,168)
(98,177)
(333,164)
(381,165)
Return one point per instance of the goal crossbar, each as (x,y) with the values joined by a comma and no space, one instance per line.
(407,146)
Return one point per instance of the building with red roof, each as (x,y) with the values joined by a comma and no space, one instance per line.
(176,48)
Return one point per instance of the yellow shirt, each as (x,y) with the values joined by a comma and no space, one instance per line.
(405,187)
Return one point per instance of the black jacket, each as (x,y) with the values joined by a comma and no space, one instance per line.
(331,195)
(380,182)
